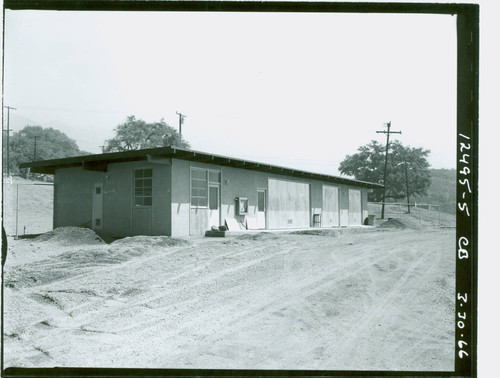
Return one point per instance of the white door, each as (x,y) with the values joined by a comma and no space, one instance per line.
(354,207)
(288,205)
(330,213)
(213,205)
(97,207)
(261,208)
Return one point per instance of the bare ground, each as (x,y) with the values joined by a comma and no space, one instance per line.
(359,299)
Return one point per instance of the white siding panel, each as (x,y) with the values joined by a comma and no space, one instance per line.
(354,207)
(330,213)
(288,204)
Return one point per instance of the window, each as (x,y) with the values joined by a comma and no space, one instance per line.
(200,195)
(214,177)
(213,197)
(199,187)
(143,187)
(261,200)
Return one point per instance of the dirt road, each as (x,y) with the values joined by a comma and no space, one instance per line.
(360,298)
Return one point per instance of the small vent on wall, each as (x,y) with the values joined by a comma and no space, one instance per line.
(290,221)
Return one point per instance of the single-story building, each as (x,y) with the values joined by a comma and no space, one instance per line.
(179,192)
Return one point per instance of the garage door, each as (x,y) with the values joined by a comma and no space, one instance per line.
(330,213)
(354,207)
(288,204)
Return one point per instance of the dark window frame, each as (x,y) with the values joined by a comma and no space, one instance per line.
(143,187)
(199,186)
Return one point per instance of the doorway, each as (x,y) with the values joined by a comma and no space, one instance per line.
(213,205)
(261,208)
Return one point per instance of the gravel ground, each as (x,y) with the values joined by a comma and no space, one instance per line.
(358,299)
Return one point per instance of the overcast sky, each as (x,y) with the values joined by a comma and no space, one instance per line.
(298,90)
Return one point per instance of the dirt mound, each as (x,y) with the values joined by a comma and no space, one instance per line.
(258,236)
(151,241)
(393,223)
(326,232)
(70,236)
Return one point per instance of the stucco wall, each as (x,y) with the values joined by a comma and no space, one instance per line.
(121,217)
(364,204)
(73,188)
(180,204)
(162,190)
(171,213)
(117,189)
(237,182)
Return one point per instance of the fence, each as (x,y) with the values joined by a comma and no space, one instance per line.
(420,213)
(28,207)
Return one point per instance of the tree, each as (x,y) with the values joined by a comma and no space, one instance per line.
(38,143)
(402,162)
(136,134)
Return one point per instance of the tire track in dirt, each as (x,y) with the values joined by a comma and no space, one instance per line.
(258,312)
(239,300)
(194,282)
(194,288)
(222,291)
(364,326)
(188,274)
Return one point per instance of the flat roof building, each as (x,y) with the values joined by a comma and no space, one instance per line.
(179,192)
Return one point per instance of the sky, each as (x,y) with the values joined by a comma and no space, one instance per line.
(298,90)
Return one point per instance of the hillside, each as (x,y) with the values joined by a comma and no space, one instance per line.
(442,191)
(419,218)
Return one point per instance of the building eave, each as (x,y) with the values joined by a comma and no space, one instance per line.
(99,162)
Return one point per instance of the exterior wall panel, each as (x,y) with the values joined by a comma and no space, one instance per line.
(354,207)
(330,215)
(344,206)
(181,203)
(162,204)
(73,188)
(364,204)
(289,204)
(287,198)
(117,203)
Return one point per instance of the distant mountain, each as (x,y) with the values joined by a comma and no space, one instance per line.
(17,122)
(442,190)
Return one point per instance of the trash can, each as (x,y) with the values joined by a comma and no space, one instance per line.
(370,220)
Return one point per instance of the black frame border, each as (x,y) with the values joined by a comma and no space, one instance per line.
(466,246)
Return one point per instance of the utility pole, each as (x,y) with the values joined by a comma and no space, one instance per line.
(8,133)
(181,121)
(103,146)
(388,132)
(34,147)
(407,185)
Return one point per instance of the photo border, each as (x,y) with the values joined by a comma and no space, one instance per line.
(466,246)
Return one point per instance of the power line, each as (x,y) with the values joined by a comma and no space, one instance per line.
(388,132)
(48,109)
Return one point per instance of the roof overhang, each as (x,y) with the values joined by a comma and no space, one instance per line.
(163,155)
